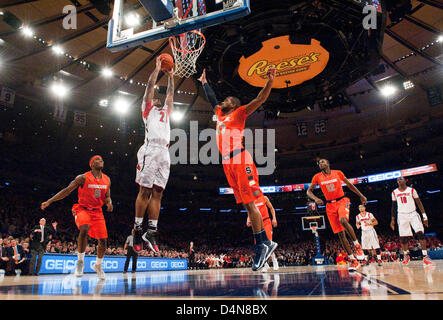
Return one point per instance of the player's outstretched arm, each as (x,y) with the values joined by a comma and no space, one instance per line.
(169,101)
(263,94)
(210,94)
(355,190)
(149,92)
(77,182)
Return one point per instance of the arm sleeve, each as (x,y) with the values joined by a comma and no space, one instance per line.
(210,95)
(393,210)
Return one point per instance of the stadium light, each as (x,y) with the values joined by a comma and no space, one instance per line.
(27,31)
(107,72)
(177,116)
(440,38)
(132,19)
(121,105)
(58,50)
(59,90)
(103,103)
(408,85)
(388,90)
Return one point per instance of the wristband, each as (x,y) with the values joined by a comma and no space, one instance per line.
(425,217)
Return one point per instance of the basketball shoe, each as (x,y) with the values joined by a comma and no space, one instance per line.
(79,268)
(354,265)
(427,260)
(379,263)
(359,252)
(138,242)
(99,269)
(150,237)
(261,250)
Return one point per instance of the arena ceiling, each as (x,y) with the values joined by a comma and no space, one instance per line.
(410,49)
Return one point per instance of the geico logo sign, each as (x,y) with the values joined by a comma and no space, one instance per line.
(177,264)
(55,264)
(267,189)
(107,264)
(384,176)
(159,265)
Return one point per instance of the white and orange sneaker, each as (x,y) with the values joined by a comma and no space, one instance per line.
(353,265)
(427,260)
(406,259)
(359,252)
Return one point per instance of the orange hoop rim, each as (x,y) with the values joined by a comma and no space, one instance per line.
(171,42)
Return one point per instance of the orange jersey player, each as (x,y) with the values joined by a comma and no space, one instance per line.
(238,165)
(263,204)
(337,207)
(94,191)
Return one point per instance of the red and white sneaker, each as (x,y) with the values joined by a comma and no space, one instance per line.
(427,260)
(359,252)
(354,265)
(406,259)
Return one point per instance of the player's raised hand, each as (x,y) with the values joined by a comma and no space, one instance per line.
(319,202)
(170,72)
(44,205)
(158,62)
(202,78)
(271,73)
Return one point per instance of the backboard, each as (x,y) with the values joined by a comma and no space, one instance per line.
(179,17)
(313,221)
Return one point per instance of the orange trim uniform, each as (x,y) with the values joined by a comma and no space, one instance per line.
(240,170)
(331,186)
(88,210)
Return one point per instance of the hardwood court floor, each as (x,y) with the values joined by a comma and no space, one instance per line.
(391,281)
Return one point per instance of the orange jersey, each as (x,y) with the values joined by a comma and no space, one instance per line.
(230,129)
(93,193)
(331,184)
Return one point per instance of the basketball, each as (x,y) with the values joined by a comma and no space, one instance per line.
(167,61)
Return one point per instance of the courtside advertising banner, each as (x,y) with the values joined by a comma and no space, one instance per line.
(64,263)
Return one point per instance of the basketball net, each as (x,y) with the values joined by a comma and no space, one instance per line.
(188,46)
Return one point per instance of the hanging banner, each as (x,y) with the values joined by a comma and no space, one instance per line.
(79,118)
(7,97)
(60,111)
(295,63)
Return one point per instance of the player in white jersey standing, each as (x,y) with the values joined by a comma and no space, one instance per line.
(153,159)
(369,239)
(406,199)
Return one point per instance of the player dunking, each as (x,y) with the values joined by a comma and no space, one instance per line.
(263,204)
(153,159)
(404,201)
(369,239)
(337,207)
(238,165)
(94,190)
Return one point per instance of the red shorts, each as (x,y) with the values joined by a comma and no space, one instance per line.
(93,218)
(337,210)
(242,176)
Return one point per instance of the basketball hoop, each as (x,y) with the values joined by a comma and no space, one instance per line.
(186,48)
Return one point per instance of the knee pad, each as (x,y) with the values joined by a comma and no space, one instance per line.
(420,235)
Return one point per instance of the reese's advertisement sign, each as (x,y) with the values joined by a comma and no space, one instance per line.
(294,62)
